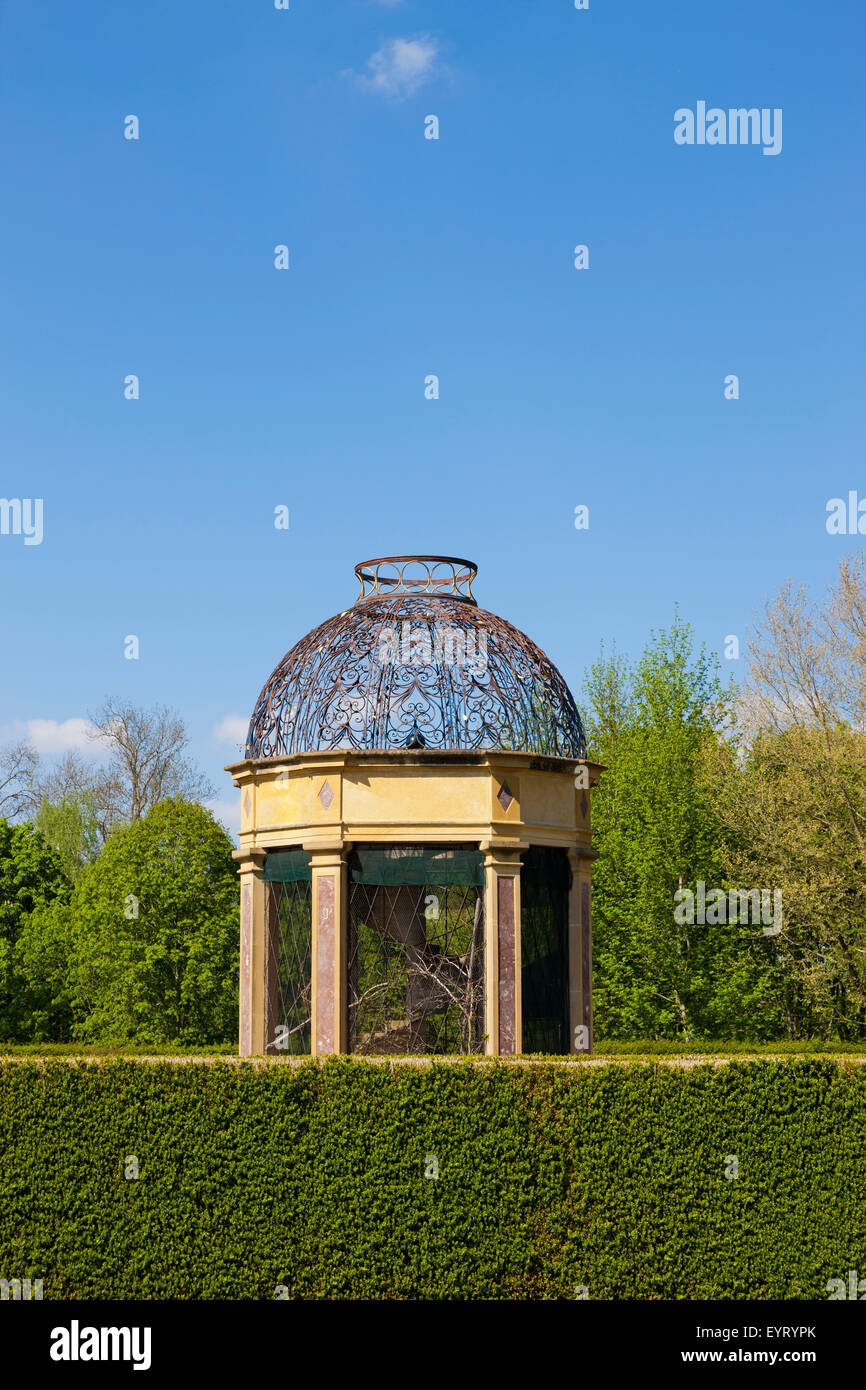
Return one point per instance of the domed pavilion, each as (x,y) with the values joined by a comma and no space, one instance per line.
(415,855)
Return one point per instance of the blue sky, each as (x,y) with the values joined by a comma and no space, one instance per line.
(411,257)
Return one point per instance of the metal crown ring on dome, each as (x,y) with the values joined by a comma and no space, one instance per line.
(443,575)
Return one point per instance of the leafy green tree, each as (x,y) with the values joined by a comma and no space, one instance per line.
(71,827)
(43,971)
(148,946)
(31,877)
(656,831)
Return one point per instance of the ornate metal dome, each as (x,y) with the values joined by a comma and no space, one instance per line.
(415,664)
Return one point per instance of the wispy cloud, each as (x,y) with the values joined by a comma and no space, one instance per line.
(49,736)
(232,729)
(400,67)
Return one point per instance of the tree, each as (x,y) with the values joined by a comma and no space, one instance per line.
(71,827)
(31,876)
(656,830)
(71,777)
(146,761)
(145,765)
(18,793)
(43,973)
(148,946)
(790,789)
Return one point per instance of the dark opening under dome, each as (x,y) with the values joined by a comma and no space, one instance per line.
(415,664)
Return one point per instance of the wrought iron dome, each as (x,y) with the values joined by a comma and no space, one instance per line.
(415,664)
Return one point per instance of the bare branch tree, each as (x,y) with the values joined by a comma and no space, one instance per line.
(69,777)
(795,804)
(146,760)
(807,661)
(76,779)
(19,795)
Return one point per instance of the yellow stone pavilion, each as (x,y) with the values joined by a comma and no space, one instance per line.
(415,848)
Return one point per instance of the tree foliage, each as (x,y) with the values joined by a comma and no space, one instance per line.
(789,787)
(656,830)
(146,947)
(71,827)
(31,878)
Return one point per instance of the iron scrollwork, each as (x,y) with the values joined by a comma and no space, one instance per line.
(415,664)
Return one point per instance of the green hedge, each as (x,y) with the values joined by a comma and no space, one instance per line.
(312,1177)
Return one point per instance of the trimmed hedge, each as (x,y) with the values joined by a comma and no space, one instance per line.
(313,1177)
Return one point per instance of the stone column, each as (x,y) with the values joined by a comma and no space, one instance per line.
(502,991)
(329,982)
(580,950)
(253,954)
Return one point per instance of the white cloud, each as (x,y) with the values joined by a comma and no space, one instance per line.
(50,735)
(400,66)
(228,813)
(232,729)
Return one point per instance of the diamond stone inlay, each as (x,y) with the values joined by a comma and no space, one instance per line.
(504,796)
(326,796)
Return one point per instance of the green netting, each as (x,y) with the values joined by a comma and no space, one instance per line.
(417,865)
(287,866)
